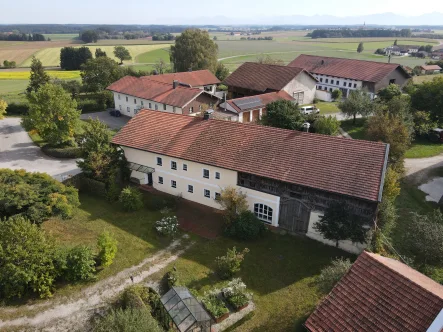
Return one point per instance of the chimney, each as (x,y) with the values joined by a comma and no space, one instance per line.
(174,84)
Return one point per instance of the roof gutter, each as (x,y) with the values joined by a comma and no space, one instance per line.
(383,173)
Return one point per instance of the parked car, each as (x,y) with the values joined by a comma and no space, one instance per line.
(436,135)
(115,113)
(309,110)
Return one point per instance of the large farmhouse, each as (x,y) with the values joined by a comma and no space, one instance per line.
(253,78)
(351,74)
(289,177)
(380,294)
(165,93)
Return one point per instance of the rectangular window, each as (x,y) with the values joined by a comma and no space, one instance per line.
(142,102)
(173,184)
(217,175)
(217,196)
(206,173)
(160,180)
(344,83)
(332,81)
(164,107)
(173,165)
(118,97)
(355,85)
(126,98)
(120,107)
(150,106)
(173,109)
(207,193)
(350,85)
(191,109)
(159,161)
(190,189)
(185,167)
(321,79)
(128,109)
(330,89)
(156,107)
(327,81)
(135,101)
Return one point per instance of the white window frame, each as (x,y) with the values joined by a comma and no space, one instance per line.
(217,175)
(118,97)
(150,106)
(173,163)
(156,107)
(128,109)
(299,97)
(160,180)
(208,193)
(209,173)
(216,195)
(159,161)
(190,188)
(185,167)
(264,212)
(135,100)
(141,101)
(173,184)
(191,109)
(164,107)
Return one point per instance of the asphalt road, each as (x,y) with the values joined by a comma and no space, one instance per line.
(17,151)
(112,121)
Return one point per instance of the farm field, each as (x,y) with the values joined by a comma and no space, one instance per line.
(153,56)
(12,91)
(61,36)
(425,78)
(24,75)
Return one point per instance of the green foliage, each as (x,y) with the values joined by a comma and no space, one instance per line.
(73,87)
(122,53)
(113,190)
(107,245)
(337,94)
(235,293)
(331,274)
(132,298)
(73,58)
(246,226)
(214,304)
(89,36)
(167,226)
(3,107)
(423,123)
(388,93)
(99,53)
(35,195)
(172,278)
(222,87)
(96,137)
(38,76)
(233,202)
(221,71)
(228,265)
(428,96)
(283,114)
(327,125)
(80,264)
(131,199)
(360,47)
(65,152)
(129,320)
(99,73)
(391,186)
(194,50)
(53,113)
(423,240)
(17,109)
(26,259)
(357,103)
(338,224)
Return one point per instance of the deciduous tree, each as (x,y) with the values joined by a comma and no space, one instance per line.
(99,53)
(233,202)
(194,50)
(53,113)
(332,273)
(38,76)
(221,72)
(388,93)
(327,125)
(283,114)
(337,94)
(360,47)
(161,66)
(122,53)
(358,103)
(99,73)
(73,58)
(428,96)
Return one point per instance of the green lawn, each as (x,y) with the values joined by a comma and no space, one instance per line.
(13,90)
(328,108)
(279,270)
(357,130)
(61,36)
(153,56)
(423,148)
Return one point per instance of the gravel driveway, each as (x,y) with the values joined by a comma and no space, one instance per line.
(18,151)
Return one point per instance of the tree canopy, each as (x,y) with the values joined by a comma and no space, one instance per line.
(99,53)
(99,73)
(283,114)
(327,125)
(53,114)
(360,47)
(221,72)
(358,103)
(122,53)
(73,58)
(38,76)
(388,93)
(428,97)
(194,50)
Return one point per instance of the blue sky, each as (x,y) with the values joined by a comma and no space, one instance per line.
(176,11)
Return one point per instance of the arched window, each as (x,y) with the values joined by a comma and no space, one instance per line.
(263,212)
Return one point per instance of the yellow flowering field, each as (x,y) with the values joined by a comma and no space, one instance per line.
(24,75)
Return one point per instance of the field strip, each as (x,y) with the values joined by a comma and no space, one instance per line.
(266,53)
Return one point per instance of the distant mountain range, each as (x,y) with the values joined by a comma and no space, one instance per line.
(391,19)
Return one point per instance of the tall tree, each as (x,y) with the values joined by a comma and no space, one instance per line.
(283,114)
(360,47)
(357,103)
(194,50)
(99,53)
(161,67)
(395,42)
(122,53)
(339,224)
(53,113)
(428,96)
(221,72)
(99,73)
(38,76)
(388,93)
(73,58)
(89,36)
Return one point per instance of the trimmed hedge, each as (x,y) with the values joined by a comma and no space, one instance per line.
(68,152)
(17,109)
(90,106)
(93,186)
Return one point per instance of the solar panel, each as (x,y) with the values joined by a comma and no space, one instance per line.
(248,103)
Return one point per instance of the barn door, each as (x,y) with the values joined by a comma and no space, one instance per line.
(294,215)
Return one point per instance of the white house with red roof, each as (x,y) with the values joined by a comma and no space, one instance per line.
(289,177)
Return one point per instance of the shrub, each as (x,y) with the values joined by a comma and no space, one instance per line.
(107,245)
(113,191)
(17,109)
(235,293)
(132,298)
(337,94)
(228,265)
(172,278)
(3,106)
(327,125)
(62,152)
(331,274)
(167,226)
(214,304)
(128,320)
(26,259)
(233,202)
(131,199)
(80,264)
(246,227)
(90,106)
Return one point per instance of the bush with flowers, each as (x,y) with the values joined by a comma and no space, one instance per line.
(167,226)
(235,293)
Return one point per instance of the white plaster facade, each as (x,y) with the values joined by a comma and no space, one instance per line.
(331,83)
(301,88)
(194,176)
(323,95)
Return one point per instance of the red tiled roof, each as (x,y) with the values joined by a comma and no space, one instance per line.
(155,91)
(344,166)
(265,99)
(193,78)
(379,294)
(431,67)
(360,70)
(262,77)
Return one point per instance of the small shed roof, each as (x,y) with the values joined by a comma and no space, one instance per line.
(183,308)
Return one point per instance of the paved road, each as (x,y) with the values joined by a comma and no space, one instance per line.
(18,151)
(111,121)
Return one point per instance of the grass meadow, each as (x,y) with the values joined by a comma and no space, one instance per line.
(61,36)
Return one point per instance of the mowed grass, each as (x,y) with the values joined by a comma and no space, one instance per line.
(51,56)
(425,78)
(24,75)
(280,271)
(357,130)
(13,91)
(423,148)
(61,36)
(153,56)
(328,108)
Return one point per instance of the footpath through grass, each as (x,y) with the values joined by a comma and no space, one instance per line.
(357,129)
